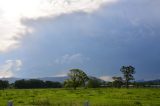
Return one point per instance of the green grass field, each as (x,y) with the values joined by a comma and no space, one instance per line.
(96,97)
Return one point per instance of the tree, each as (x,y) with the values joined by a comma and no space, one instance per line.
(83,77)
(4,84)
(32,83)
(94,82)
(128,72)
(50,84)
(20,84)
(68,83)
(118,82)
(36,83)
(76,78)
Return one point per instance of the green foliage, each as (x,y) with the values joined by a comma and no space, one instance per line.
(4,84)
(76,78)
(50,84)
(35,83)
(118,82)
(68,83)
(94,83)
(32,83)
(128,72)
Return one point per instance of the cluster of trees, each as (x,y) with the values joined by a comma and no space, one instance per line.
(35,83)
(78,78)
(94,82)
(32,83)
(117,82)
(4,84)
(127,72)
(148,83)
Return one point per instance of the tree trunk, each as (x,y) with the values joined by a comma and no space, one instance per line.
(127,84)
(74,88)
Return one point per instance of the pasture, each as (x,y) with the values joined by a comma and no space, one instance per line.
(68,97)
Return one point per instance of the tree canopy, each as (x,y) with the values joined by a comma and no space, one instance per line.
(35,83)
(77,78)
(128,72)
(117,82)
(4,84)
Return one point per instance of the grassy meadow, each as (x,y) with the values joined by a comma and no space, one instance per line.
(96,97)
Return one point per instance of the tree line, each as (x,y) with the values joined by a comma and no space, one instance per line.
(78,78)
(29,84)
(93,82)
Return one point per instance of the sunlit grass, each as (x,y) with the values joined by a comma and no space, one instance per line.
(96,97)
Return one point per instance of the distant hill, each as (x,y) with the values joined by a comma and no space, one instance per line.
(156,80)
(54,79)
(142,80)
(95,78)
(11,80)
(149,82)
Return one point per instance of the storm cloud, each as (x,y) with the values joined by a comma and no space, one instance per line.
(125,32)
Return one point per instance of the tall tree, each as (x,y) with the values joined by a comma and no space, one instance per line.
(128,72)
(76,78)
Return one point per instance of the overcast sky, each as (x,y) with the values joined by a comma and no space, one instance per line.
(44,38)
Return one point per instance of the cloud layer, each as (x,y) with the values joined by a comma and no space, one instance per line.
(122,33)
(13,12)
(125,32)
(71,59)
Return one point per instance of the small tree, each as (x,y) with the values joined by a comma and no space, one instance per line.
(94,82)
(4,84)
(76,78)
(128,72)
(118,82)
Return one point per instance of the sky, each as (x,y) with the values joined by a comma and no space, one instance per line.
(47,38)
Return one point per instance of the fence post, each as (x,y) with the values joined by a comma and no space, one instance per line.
(86,103)
(10,103)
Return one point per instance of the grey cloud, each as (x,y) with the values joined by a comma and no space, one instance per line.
(71,59)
